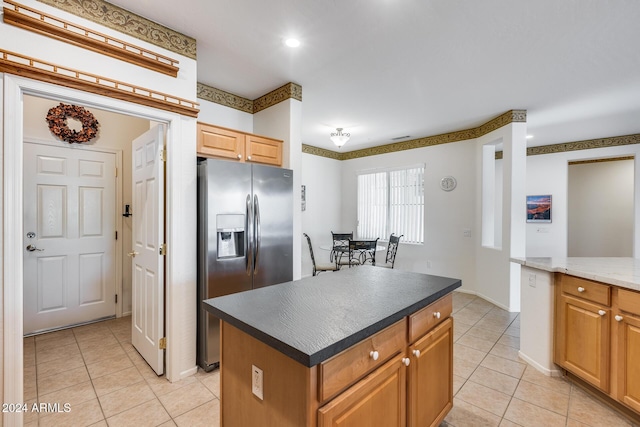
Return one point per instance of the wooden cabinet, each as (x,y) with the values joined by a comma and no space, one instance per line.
(383,380)
(597,336)
(214,141)
(627,319)
(376,400)
(430,377)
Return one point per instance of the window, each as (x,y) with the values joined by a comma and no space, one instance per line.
(392,201)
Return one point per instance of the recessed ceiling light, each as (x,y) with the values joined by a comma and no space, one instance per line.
(291,42)
(529,136)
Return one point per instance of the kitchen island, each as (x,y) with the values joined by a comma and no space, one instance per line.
(582,315)
(362,346)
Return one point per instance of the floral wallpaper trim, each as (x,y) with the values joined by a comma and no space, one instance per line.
(511,116)
(219,96)
(588,144)
(227,99)
(116,18)
(614,159)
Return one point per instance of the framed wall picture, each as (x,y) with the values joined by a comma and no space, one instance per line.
(539,208)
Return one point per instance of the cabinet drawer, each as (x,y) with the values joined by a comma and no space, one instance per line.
(629,301)
(424,320)
(586,289)
(345,368)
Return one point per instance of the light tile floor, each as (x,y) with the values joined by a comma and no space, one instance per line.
(96,370)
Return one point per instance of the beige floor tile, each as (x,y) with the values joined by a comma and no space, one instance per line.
(125,399)
(57,335)
(62,341)
(475,343)
(506,352)
(468,353)
(543,397)
(83,414)
(484,398)
(160,385)
(106,352)
(494,380)
(458,382)
(29,358)
(493,324)
(463,368)
(529,415)
(102,423)
(30,384)
(510,341)
(464,414)
(150,413)
(204,415)
(185,399)
(73,395)
(485,334)
(52,353)
(170,423)
(30,415)
(513,331)
(557,384)
(507,423)
(461,327)
(108,366)
(211,380)
(467,316)
(586,409)
(116,381)
(60,365)
(66,379)
(505,366)
(97,342)
(574,423)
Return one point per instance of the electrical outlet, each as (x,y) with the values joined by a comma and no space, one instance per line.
(532,280)
(466,232)
(256,381)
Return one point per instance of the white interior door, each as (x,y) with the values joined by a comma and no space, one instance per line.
(69,236)
(148,236)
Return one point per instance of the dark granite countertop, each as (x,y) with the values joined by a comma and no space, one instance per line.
(313,319)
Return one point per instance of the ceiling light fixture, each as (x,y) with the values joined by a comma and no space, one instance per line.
(529,136)
(291,42)
(340,138)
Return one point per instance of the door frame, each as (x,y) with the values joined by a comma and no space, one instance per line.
(177,276)
(118,206)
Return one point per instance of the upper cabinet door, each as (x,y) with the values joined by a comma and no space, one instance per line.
(219,142)
(264,150)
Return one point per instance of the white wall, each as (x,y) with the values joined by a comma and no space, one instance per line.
(219,115)
(548,174)
(447,214)
(116,131)
(323,180)
(600,209)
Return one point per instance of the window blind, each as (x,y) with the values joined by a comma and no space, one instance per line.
(392,201)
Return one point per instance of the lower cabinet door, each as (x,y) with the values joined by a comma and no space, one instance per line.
(379,399)
(431,377)
(629,360)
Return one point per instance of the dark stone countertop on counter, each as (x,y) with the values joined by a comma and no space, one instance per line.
(313,319)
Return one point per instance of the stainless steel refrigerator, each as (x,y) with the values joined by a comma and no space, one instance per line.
(245,237)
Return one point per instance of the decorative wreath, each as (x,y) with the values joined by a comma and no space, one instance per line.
(57,119)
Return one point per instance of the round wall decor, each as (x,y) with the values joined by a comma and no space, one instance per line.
(57,119)
(448,183)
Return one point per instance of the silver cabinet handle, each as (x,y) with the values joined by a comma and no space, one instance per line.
(32,248)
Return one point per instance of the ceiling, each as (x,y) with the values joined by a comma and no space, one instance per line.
(384,69)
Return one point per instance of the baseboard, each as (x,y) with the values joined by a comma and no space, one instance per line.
(496,303)
(188,372)
(538,367)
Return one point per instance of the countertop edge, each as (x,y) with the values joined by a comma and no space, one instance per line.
(310,360)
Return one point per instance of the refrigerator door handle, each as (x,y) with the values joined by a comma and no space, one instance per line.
(256,210)
(248,230)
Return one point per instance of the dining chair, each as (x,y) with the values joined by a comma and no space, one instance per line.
(348,256)
(318,268)
(340,244)
(392,249)
(366,251)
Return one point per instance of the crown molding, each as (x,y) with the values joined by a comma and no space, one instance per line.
(116,18)
(212,94)
(511,116)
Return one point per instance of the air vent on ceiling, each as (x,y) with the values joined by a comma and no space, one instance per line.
(398,138)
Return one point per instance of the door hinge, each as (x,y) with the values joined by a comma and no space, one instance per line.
(162,343)
(163,155)
(116,298)
(163,249)
(116,235)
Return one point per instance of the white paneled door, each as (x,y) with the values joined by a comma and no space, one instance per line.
(148,236)
(69,236)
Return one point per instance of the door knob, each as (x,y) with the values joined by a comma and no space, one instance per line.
(32,248)
(133,254)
